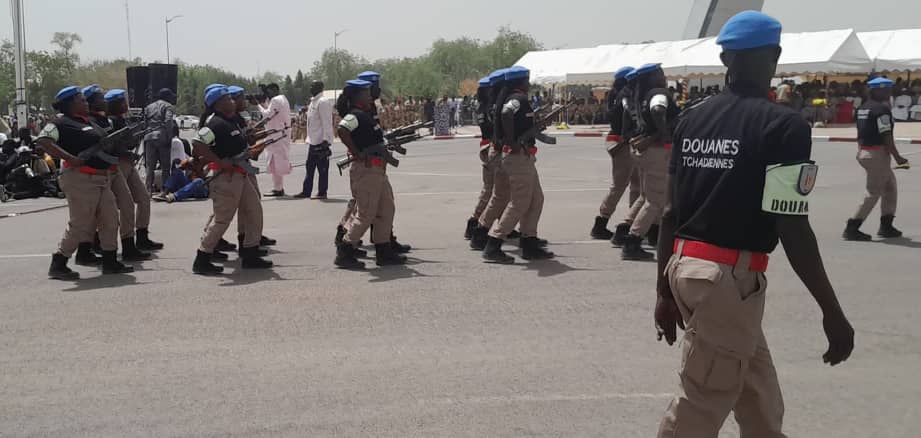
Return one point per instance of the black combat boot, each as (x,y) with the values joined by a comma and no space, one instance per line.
(59,269)
(652,236)
(130,252)
(398,247)
(144,242)
(600,230)
(358,252)
(259,251)
(472,223)
(852,231)
(252,260)
(345,257)
(85,256)
(219,256)
(515,234)
(480,236)
(267,241)
(531,249)
(223,245)
(633,249)
(111,265)
(340,233)
(886,230)
(620,234)
(203,265)
(385,254)
(493,253)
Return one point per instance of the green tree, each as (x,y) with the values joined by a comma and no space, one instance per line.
(509,46)
(336,67)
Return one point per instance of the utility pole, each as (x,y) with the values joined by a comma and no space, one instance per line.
(128,26)
(338,81)
(166,22)
(22,107)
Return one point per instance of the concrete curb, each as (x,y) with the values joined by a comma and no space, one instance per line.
(584,134)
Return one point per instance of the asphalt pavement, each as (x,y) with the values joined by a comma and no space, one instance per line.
(445,347)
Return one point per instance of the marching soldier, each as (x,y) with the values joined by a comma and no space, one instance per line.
(527,197)
(621,159)
(96,101)
(499,197)
(875,155)
(222,143)
(484,120)
(655,114)
(239,100)
(87,183)
(370,186)
(628,132)
(739,180)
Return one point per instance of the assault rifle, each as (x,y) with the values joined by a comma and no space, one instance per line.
(544,116)
(117,143)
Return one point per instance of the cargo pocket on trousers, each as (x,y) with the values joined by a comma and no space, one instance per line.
(698,269)
(709,366)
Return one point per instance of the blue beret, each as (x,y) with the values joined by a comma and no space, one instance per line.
(497,76)
(622,72)
(67,93)
(485,82)
(370,76)
(115,94)
(749,30)
(357,83)
(91,90)
(215,94)
(517,72)
(234,90)
(213,86)
(880,83)
(647,68)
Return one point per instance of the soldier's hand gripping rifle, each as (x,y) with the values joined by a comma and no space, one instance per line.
(544,119)
(380,150)
(117,144)
(393,142)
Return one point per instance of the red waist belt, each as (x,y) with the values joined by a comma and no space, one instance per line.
(615,138)
(376,162)
(871,148)
(89,170)
(238,169)
(667,146)
(508,149)
(717,254)
(484,142)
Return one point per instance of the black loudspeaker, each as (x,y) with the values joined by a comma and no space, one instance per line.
(138,86)
(163,76)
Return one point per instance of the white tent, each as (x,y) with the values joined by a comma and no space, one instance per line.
(550,66)
(833,51)
(893,50)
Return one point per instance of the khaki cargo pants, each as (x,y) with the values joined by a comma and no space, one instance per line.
(230,192)
(726,365)
(91,205)
(527,197)
(350,207)
(881,182)
(489,163)
(501,191)
(132,199)
(654,165)
(374,204)
(621,171)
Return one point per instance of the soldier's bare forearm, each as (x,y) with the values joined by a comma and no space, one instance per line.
(802,251)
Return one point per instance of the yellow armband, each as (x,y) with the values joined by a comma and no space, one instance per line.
(786,187)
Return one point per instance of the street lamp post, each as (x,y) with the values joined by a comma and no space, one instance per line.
(166,22)
(336,55)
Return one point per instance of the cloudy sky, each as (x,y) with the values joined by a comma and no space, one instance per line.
(249,36)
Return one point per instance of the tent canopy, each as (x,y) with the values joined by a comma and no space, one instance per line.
(893,50)
(833,51)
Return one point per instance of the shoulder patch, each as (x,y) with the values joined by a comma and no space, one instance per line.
(786,187)
(349,122)
(205,135)
(50,131)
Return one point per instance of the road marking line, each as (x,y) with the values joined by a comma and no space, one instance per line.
(23,256)
(525,398)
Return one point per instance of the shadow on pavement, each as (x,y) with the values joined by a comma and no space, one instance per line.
(242,277)
(901,241)
(390,273)
(103,282)
(550,268)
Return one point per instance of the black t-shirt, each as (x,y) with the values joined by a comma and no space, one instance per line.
(223,135)
(524,115)
(102,121)
(873,120)
(616,112)
(365,131)
(721,151)
(628,119)
(654,97)
(484,120)
(75,135)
